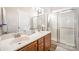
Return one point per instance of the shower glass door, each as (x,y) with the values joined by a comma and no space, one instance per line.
(66,28)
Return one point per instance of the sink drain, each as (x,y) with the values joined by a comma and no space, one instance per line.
(19,43)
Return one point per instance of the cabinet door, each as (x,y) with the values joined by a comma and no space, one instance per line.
(30,47)
(40,44)
(47,42)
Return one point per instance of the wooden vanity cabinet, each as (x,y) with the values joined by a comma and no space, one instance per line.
(30,47)
(47,42)
(40,44)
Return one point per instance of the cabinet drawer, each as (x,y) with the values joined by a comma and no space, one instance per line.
(41,44)
(47,42)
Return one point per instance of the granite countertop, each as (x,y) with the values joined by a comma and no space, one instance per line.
(12,44)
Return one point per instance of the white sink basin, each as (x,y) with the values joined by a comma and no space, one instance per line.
(17,40)
(11,41)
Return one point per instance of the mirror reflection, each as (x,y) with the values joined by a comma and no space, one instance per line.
(22,20)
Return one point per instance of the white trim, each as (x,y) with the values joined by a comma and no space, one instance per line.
(61,10)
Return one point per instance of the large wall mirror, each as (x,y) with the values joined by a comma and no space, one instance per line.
(21,19)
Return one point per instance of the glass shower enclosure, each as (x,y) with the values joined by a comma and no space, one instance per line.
(63,27)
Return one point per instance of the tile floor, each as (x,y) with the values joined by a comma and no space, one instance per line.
(58,48)
(61,47)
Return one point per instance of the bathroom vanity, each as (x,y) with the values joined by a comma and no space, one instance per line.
(39,41)
(41,44)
